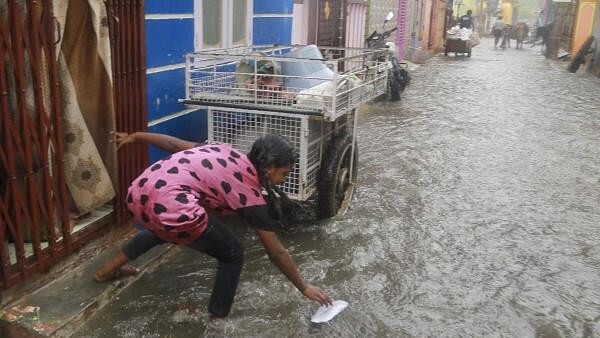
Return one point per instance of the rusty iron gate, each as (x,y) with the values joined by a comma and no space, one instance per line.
(128,50)
(33,193)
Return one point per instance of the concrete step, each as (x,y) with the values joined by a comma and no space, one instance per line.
(61,306)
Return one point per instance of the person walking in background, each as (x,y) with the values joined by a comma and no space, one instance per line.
(542,30)
(506,35)
(498,31)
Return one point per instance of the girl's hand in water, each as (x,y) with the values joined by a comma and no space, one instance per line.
(315,293)
(122,139)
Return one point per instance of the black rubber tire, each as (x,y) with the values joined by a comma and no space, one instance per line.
(469,53)
(394,88)
(335,178)
(406,77)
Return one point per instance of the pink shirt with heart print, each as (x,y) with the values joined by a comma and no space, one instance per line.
(171,197)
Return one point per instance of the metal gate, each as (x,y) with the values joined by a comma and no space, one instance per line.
(401,23)
(128,47)
(33,192)
(355,23)
(35,230)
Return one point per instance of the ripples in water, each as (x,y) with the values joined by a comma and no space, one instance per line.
(476,215)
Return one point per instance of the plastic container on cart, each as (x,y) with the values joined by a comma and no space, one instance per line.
(328,86)
(303,75)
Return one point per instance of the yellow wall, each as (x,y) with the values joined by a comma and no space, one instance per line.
(584,24)
(507,12)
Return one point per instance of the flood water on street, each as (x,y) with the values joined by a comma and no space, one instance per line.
(477,214)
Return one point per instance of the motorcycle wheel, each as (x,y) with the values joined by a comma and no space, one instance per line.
(403,78)
(406,76)
(393,85)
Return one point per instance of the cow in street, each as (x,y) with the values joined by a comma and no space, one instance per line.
(521,31)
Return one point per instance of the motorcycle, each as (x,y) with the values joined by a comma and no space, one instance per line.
(398,77)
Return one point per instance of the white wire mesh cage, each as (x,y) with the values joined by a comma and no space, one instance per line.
(241,128)
(330,86)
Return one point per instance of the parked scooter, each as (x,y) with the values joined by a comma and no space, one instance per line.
(398,77)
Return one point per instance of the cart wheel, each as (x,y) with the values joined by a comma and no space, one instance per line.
(335,180)
(446,52)
(469,53)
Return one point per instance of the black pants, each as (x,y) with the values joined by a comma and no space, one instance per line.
(217,242)
(497,36)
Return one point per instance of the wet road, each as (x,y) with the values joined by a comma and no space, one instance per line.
(477,215)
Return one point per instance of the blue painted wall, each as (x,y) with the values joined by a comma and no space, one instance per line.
(164,90)
(268,30)
(168,41)
(169,38)
(190,127)
(169,7)
(273,7)
(276,27)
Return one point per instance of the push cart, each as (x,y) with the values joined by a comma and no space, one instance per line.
(307,94)
(458,46)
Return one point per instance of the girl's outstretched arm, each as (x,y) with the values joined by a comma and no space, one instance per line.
(165,142)
(284,262)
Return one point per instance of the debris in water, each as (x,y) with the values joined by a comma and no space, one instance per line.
(185,314)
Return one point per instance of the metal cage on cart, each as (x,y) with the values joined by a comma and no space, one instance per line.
(311,101)
(307,133)
(356,75)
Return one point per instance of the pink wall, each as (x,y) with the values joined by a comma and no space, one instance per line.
(401,24)
(426,23)
(355,24)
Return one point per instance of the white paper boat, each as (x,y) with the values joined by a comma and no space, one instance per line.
(326,313)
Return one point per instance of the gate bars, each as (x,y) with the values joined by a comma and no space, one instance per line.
(128,49)
(34,205)
(33,196)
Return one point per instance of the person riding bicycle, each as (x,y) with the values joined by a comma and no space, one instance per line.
(466,21)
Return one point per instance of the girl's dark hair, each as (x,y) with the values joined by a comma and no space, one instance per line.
(273,150)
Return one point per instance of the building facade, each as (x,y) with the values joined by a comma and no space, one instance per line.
(585,20)
(595,66)
(427,21)
(329,22)
(175,28)
(561,21)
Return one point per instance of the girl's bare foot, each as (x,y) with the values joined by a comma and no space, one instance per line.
(115,268)
(124,271)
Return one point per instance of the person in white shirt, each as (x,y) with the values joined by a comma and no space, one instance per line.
(498,31)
